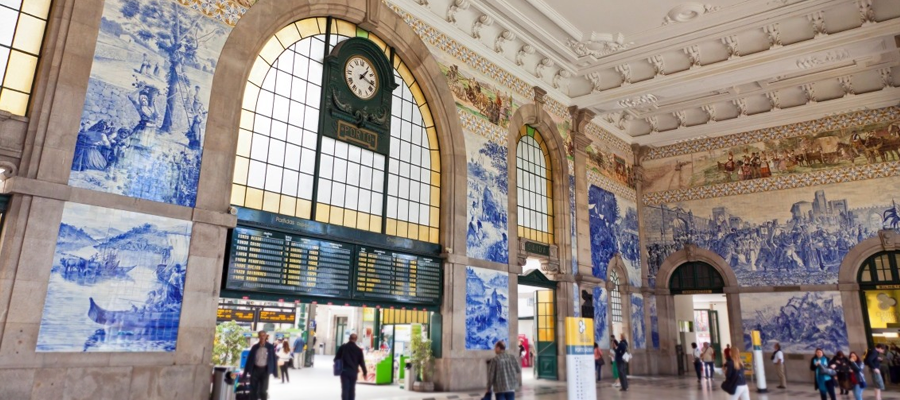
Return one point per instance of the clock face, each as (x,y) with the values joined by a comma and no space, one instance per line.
(360,77)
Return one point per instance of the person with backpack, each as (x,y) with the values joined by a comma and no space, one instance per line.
(825,374)
(857,377)
(735,383)
(622,358)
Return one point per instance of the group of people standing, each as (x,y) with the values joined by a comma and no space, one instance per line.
(619,359)
(847,372)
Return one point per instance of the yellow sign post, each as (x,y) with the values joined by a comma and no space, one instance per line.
(580,359)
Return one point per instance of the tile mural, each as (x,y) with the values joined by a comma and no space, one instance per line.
(638,333)
(794,237)
(654,321)
(487,308)
(144,117)
(799,321)
(479,97)
(117,282)
(574,225)
(487,198)
(614,230)
(838,147)
(601,308)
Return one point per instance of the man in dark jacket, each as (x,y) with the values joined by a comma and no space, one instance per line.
(260,364)
(621,349)
(351,357)
(873,361)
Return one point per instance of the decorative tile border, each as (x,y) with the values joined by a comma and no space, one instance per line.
(837,175)
(608,138)
(858,118)
(224,11)
(601,181)
(482,127)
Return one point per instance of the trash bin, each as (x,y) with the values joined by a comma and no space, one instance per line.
(409,378)
(223,384)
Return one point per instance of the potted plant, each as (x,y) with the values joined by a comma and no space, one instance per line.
(228,344)
(422,364)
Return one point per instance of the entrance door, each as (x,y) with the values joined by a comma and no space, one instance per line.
(714,340)
(545,334)
(340,326)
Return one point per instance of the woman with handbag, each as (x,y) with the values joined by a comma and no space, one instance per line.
(825,374)
(598,360)
(284,359)
(735,384)
(842,367)
(857,377)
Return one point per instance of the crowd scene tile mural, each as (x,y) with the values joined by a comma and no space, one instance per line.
(638,333)
(799,321)
(654,321)
(614,230)
(601,307)
(488,203)
(144,117)
(487,308)
(117,282)
(790,237)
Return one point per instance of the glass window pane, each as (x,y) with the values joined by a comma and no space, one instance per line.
(306,187)
(324,193)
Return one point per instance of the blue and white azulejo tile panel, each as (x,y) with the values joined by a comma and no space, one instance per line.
(601,308)
(117,282)
(487,200)
(487,308)
(144,117)
(799,321)
(638,333)
(614,229)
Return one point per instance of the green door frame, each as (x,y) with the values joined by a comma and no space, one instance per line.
(546,352)
(342,327)
(872,276)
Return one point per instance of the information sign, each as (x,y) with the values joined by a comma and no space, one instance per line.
(580,375)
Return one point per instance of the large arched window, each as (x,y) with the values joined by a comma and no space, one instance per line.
(534,190)
(615,296)
(284,166)
(22,25)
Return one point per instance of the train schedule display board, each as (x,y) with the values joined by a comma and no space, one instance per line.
(266,261)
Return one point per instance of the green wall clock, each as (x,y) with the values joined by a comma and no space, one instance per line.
(356,95)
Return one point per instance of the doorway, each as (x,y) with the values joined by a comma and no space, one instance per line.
(701,312)
(537,325)
(879,281)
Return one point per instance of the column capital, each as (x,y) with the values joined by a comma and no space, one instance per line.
(580,118)
(539,95)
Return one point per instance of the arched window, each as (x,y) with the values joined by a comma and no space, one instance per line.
(22,25)
(881,268)
(615,296)
(535,193)
(284,166)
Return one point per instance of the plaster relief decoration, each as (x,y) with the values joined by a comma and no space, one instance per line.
(799,321)
(117,282)
(599,45)
(144,117)
(601,307)
(823,59)
(688,12)
(614,230)
(487,308)
(654,321)
(638,334)
(837,146)
(792,237)
(487,196)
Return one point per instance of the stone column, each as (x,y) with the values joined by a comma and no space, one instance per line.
(580,119)
(668,333)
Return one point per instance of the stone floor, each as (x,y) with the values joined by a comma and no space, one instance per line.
(319,384)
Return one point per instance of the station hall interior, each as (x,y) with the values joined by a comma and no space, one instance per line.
(438,176)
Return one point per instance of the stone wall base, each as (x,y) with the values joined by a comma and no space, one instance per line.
(102,383)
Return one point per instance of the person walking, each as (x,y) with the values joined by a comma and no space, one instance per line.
(698,365)
(708,356)
(778,360)
(842,368)
(284,361)
(612,359)
(598,360)
(503,374)
(622,358)
(824,375)
(857,377)
(873,361)
(351,358)
(735,384)
(260,364)
(727,352)
(299,343)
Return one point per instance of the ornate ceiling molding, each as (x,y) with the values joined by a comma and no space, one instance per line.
(688,12)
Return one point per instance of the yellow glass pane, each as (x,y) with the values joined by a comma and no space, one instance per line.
(243,145)
(258,74)
(337,216)
(362,221)
(344,27)
(545,296)
(406,74)
(375,224)
(241,166)
(402,228)
(417,93)
(323,212)
(436,161)
(378,42)
(271,50)
(271,201)
(237,194)
(434,235)
(247,120)
(39,8)
(29,34)
(396,61)
(436,178)
(14,102)
(435,217)
(251,95)
(391,228)
(350,218)
(254,198)
(426,116)
(288,35)
(521,231)
(304,208)
(288,205)
(21,75)
(423,233)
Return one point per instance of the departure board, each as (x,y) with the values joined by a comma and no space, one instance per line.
(265,261)
(278,317)
(388,275)
(231,314)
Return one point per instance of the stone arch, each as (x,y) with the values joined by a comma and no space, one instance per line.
(260,24)
(618,265)
(885,240)
(533,114)
(693,253)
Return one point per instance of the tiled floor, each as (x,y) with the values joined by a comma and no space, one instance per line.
(319,384)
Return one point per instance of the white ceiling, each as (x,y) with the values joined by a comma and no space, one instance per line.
(660,71)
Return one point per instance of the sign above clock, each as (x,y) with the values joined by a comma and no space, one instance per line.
(356,95)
